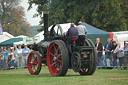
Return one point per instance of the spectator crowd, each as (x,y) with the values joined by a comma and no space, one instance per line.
(112,54)
(15,57)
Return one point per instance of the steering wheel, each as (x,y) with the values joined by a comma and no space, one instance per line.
(56,32)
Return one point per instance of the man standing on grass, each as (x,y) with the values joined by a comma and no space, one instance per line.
(108,54)
(19,53)
(25,52)
(99,48)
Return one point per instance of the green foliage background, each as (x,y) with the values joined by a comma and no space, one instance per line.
(12,16)
(109,15)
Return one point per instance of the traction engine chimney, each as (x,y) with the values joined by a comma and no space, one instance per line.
(46,20)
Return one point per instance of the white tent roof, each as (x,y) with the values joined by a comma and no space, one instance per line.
(5,36)
(120,36)
(21,36)
(120,32)
(41,35)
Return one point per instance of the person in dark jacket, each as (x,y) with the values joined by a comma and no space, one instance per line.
(108,53)
(99,48)
(71,34)
(114,53)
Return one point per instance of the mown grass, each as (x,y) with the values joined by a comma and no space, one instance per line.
(100,77)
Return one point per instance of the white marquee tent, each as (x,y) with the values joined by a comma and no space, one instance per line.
(5,36)
(120,36)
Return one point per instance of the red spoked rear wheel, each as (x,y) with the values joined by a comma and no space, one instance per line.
(34,63)
(57,59)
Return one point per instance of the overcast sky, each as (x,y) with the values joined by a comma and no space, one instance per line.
(30,13)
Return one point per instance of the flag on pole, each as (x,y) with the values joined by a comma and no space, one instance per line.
(1,32)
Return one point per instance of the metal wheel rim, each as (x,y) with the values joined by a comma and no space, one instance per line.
(33,63)
(54,59)
(76,58)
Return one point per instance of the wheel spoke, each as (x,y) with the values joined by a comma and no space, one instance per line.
(51,54)
(58,55)
(58,67)
(56,52)
(54,48)
(35,61)
(57,64)
(59,61)
(53,64)
(34,67)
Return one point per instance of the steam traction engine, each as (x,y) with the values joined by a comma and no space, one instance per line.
(54,53)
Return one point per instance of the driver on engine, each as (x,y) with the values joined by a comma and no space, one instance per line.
(72,35)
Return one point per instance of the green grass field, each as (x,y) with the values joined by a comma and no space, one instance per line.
(100,77)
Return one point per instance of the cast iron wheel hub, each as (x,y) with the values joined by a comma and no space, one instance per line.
(76,62)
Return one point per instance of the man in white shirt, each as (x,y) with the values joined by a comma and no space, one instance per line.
(82,31)
(19,53)
(25,52)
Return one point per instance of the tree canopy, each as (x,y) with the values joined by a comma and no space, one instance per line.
(109,15)
(13,18)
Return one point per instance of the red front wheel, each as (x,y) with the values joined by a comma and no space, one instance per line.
(34,63)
